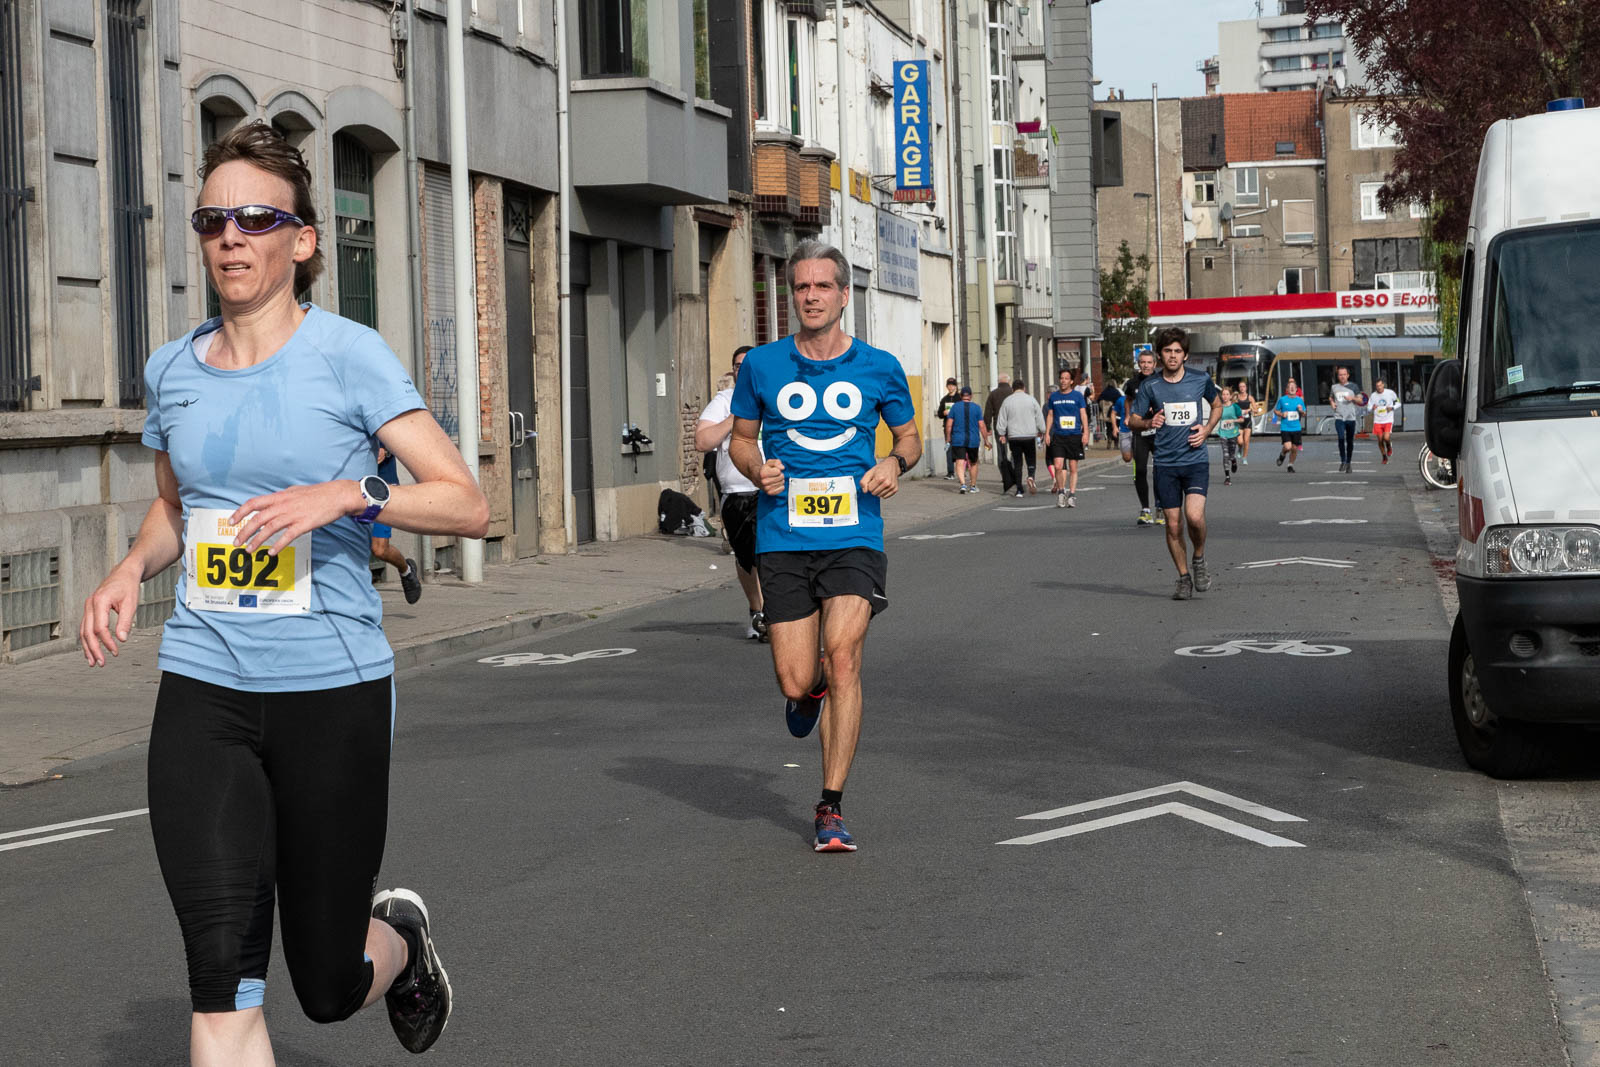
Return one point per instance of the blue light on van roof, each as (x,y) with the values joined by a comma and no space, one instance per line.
(1566,103)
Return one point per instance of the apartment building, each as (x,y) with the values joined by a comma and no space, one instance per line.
(1281,51)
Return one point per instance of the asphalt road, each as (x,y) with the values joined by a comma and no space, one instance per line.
(616,849)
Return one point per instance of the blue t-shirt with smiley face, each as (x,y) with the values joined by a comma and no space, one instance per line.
(820,418)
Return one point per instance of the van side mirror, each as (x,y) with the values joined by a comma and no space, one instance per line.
(1444,418)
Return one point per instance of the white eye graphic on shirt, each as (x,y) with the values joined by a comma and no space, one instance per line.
(841,400)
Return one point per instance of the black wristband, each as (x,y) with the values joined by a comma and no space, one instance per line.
(904,466)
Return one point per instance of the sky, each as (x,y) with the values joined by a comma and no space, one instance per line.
(1137,42)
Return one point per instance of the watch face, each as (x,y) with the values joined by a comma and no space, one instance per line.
(376,488)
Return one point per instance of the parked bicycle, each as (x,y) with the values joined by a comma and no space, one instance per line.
(1437,471)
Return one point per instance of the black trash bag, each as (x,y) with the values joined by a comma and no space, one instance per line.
(679,515)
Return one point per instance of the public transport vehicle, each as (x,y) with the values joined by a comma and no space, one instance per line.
(1518,413)
(1404,363)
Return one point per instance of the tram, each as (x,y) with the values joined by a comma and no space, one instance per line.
(1404,363)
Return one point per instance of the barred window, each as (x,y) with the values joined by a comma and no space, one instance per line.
(353,218)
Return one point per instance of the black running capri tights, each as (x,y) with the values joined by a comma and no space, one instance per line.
(262,795)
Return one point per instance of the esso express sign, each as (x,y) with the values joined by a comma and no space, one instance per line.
(1390,300)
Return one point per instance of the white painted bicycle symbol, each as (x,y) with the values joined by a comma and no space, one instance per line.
(1287,648)
(547,659)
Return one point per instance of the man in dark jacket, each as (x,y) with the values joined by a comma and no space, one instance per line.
(991,415)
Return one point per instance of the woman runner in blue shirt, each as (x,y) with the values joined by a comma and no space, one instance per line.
(269,752)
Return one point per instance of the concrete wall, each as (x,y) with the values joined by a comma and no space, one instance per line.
(1348,167)
(1072,200)
(1125,216)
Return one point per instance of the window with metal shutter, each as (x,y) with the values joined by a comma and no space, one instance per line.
(439,298)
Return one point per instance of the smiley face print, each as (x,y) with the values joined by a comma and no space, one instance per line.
(841,400)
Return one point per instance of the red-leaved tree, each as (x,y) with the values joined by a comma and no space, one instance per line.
(1445,70)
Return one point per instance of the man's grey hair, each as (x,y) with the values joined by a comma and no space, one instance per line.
(1004,379)
(811,248)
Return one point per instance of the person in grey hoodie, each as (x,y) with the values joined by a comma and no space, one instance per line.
(1020,426)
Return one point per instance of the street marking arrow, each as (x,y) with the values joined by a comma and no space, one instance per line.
(1341,481)
(1181,810)
(1310,561)
(1308,499)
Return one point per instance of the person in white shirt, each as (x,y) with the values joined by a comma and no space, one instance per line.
(739,496)
(1383,404)
(1346,413)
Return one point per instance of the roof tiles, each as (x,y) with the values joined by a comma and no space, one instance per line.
(1255,125)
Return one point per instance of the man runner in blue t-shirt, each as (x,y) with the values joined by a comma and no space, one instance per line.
(1066,411)
(816,398)
(1173,404)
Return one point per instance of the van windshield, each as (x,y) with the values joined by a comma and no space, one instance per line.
(1541,348)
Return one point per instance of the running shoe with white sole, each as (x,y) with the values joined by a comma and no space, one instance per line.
(831,834)
(1072,500)
(419,1001)
(1198,572)
(1184,589)
(1061,499)
(801,715)
(757,630)
(1146,518)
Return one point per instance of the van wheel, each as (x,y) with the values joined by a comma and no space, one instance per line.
(1499,747)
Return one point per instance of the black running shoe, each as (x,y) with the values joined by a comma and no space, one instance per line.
(758,627)
(1281,457)
(411,582)
(1291,468)
(801,715)
(419,1000)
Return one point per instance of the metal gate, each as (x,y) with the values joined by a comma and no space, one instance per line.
(16,365)
(128,209)
(520,396)
(439,299)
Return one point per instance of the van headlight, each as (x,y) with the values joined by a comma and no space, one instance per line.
(1511,551)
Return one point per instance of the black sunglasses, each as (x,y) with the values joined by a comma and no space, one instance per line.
(250,218)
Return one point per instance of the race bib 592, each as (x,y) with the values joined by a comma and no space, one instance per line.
(225,577)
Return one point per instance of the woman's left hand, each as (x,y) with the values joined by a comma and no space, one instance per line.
(281,517)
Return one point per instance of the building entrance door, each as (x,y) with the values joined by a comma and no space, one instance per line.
(520,399)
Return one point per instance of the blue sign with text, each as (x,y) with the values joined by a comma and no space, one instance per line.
(913,125)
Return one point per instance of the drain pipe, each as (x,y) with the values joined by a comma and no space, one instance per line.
(466,310)
(564,270)
(419,360)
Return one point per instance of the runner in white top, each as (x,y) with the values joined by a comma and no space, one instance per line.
(739,495)
(1383,404)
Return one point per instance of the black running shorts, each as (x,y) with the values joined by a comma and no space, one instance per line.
(739,519)
(966,452)
(1292,437)
(263,796)
(1068,446)
(794,584)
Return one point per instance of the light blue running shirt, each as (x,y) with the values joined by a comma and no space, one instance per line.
(820,417)
(307,414)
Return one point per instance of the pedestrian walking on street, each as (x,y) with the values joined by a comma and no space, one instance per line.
(739,495)
(1020,428)
(1063,439)
(269,754)
(1228,434)
(1383,404)
(965,429)
(1143,438)
(1346,412)
(816,399)
(951,397)
(1107,401)
(410,580)
(1241,396)
(991,418)
(1172,403)
(1291,412)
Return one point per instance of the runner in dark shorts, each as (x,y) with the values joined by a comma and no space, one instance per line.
(816,400)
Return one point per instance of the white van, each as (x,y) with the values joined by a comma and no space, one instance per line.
(1519,412)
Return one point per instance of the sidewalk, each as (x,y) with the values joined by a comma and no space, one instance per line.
(58,709)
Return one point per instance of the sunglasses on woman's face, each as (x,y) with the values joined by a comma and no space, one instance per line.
(251,218)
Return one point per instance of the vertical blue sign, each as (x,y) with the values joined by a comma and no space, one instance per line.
(913,124)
